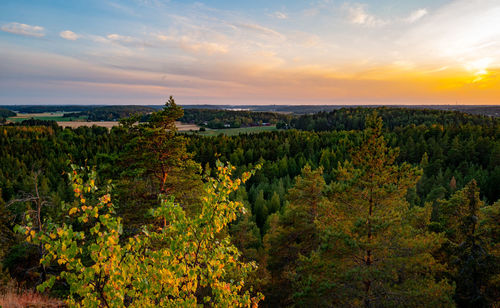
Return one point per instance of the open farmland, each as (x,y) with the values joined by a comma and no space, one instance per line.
(110,124)
(46,116)
(183,127)
(75,124)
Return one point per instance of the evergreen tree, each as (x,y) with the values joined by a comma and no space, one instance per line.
(293,234)
(467,252)
(260,209)
(491,232)
(380,258)
(156,162)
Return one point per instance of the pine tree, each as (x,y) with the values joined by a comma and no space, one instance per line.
(491,231)
(156,162)
(467,250)
(260,209)
(274,203)
(379,256)
(293,234)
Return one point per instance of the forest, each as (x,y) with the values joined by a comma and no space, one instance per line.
(5,113)
(357,207)
(217,118)
(111,113)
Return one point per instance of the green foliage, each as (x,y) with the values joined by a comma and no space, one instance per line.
(5,113)
(155,162)
(110,113)
(354,118)
(473,266)
(187,261)
(374,251)
(218,119)
(297,261)
(292,234)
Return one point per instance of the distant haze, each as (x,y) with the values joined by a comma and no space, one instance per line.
(250,52)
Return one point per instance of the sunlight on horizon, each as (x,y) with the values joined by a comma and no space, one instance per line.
(221,52)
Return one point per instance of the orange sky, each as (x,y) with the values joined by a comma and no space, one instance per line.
(223,52)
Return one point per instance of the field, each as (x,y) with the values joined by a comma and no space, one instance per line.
(75,124)
(182,127)
(109,124)
(80,121)
(237,131)
(47,116)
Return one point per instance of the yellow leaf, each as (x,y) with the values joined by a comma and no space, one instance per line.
(73,210)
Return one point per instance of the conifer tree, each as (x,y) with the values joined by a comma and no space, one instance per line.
(155,161)
(467,250)
(491,231)
(293,234)
(379,256)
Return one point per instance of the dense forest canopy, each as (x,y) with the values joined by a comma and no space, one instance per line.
(111,113)
(353,118)
(350,208)
(5,113)
(214,118)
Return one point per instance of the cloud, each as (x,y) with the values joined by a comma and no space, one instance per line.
(460,32)
(125,40)
(416,15)
(23,29)
(279,15)
(69,35)
(357,15)
(187,44)
(120,38)
(258,29)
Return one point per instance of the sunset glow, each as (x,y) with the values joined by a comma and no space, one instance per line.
(258,52)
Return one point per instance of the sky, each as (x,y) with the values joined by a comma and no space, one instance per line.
(250,52)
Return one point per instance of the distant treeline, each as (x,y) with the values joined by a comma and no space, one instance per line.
(111,113)
(5,113)
(47,108)
(34,122)
(354,118)
(214,118)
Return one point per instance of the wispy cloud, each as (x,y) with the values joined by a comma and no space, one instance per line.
(126,40)
(256,28)
(462,31)
(416,15)
(194,46)
(23,29)
(69,35)
(357,14)
(279,15)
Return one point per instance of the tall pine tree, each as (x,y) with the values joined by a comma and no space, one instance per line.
(378,249)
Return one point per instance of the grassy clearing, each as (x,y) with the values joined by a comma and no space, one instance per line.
(235,131)
(48,116)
